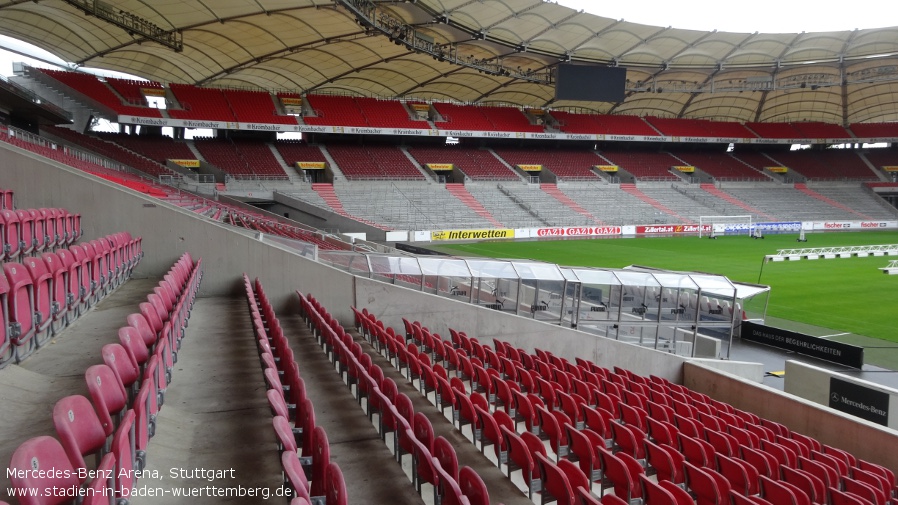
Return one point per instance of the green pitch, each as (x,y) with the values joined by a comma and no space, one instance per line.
(823,297)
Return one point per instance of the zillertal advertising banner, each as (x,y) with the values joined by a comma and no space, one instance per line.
(436,167)
(530,168)
(607,168)
(420,106)
(291,101)
(471,234)
(672,229)
(153,91)
(187,163)
(890,168)
(685,169)
(310,165)
(778,170)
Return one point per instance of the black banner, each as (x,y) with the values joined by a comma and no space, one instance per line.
(858,400)
(815,347)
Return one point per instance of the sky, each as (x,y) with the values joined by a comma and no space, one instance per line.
(765,16)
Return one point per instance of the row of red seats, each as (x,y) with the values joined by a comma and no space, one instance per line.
(132,90)
(303,446)
(559,406)
(109,150)
(42,295)
(159,148)
(126,394)
(211,104)
(433,458)
(25,232)
(91,87)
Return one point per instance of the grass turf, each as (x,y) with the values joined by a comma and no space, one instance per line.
(850,296)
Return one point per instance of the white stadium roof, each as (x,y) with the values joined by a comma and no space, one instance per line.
(507,47)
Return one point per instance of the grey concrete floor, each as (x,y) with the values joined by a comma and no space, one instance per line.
(215,415)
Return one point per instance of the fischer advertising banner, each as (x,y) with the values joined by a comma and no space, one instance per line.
(598,231)
(853,225)
(675,229)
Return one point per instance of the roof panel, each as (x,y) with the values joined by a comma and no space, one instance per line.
(318,45)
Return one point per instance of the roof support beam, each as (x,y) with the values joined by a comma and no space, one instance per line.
(134,25)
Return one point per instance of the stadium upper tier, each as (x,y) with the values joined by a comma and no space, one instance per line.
(121,100)
(612,162)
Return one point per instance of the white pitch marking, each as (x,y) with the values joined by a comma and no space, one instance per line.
(835,335)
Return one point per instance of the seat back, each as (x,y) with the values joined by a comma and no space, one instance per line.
(107,393)
(704,486)
(306,419)
(776,492)
(294,476)
(134,345)
(21,302)
(321,458)
(662,460)
(7,353)
(144,330)
(450,493)
(423,430)
(742,476)
(655,494)
(78,428)
(837,497)
(36,454)
(122,364)
(98,491)
(623,471)
(555,484)
(811,486)
(10,228)
(148,311)
(445,454)
(42,291)
(473,487)
(124,448)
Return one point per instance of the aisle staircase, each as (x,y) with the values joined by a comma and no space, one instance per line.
(327,193)
(813,194)
(633,190)
(459,191)
(553,191)
(710,188)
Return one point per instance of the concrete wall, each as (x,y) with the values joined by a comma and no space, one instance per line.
(320,218)
(864,439)
(168,231)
